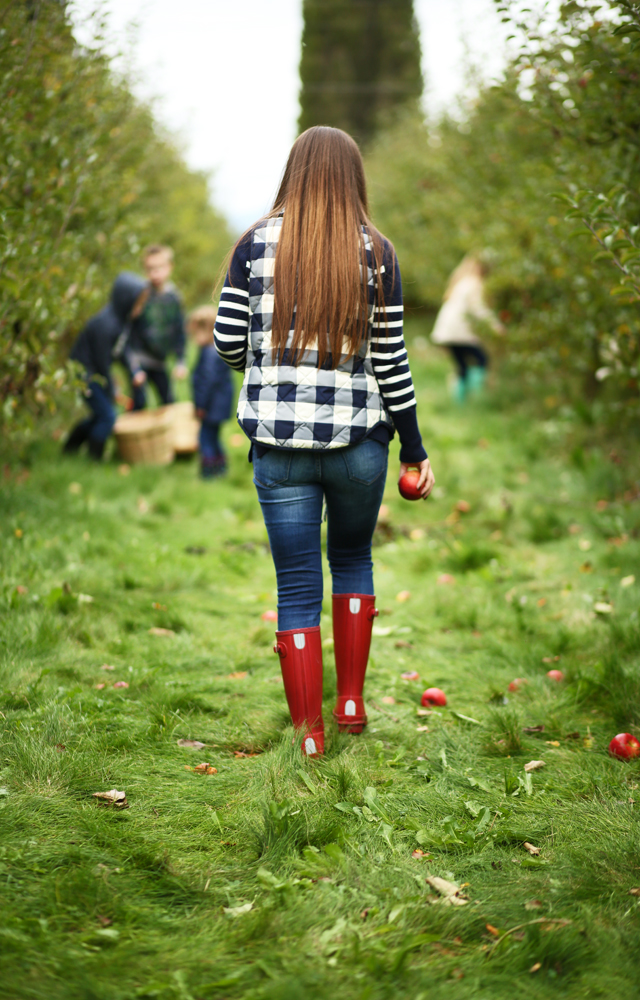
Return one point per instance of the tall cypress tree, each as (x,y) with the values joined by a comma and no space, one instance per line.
(360,60)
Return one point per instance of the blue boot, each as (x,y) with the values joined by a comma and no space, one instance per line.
(476,378)
(460,390)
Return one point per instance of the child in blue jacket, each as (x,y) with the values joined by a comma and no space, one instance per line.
(212,392)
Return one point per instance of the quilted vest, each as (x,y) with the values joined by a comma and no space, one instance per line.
(302,406)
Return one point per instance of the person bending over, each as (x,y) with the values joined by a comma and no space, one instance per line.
(93,349)
(456,324)
(212,392)
(157,333)
(311,312)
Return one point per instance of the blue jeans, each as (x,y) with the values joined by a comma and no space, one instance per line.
(99,425)
(291,487)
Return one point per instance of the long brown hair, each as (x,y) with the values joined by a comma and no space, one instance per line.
(320,265)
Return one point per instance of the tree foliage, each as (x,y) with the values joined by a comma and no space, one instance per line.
(86,179)
(559,137)
(360,61)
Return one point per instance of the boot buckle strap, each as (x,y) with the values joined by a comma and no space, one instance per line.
(372,613)
(280,649)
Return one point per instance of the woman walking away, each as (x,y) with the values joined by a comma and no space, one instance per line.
(462,309)
(311,312)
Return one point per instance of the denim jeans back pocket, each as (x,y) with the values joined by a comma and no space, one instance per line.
(366,461)
(272,468)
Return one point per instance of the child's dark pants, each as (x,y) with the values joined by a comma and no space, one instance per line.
(96,428)
(213,460)
(462,352)
(159,377)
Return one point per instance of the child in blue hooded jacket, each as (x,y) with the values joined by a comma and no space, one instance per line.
(212,392)
(94,350)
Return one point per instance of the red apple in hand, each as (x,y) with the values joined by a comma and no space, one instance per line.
(408,485)
(625,746)
(434,696)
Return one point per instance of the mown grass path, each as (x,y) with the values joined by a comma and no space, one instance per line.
(276,877)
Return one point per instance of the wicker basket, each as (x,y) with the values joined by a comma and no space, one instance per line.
(185,427)
(145,437)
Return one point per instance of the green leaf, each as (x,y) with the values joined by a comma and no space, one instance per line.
(307,780)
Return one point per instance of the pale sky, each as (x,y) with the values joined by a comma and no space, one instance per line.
(224,75)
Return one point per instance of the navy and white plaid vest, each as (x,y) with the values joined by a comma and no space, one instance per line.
(302,406)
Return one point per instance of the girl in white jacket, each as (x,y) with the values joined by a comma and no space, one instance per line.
(454,327)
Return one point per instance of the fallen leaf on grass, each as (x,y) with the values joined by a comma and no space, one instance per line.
(541,602)
(536,967)
(584,544)
(161,631)
(533,729)
(634,892)
(244,753)
(404,595)
(586,567)
(531,849)
(492,930)
(237,911)
(464,718)
(449,892)
(99,687)
(25,590)
(627,581)
(550,659)
(105,921)
(534,765)
(416,534)
(237,675)
(602,608)
(417,854)
(203,768)
(159,607)
(107,666)
(552,743)
(112,798)
(422,712)
(422,729)
(191,744)
(121,684)
(446,578)
(533,904)
(124,469)
(573,736)
(410,675)
(143,505)
(388,700)
(269,616)
(403,644)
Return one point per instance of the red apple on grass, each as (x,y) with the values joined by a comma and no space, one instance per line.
(516,684)
(624,746)
(434,696)
(555,675)
(408,485)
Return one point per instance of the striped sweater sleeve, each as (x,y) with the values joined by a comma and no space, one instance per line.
(391,367)
(231,332)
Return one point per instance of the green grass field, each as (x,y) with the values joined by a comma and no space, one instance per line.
(278,877)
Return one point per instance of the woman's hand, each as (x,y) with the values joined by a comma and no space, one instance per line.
(427,480)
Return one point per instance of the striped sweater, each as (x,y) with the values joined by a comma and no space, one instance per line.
(303,406)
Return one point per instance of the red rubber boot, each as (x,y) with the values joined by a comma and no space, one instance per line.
(300,653)
(353,616)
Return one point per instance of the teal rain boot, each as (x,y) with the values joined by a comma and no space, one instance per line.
(476,378)
(460,390)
